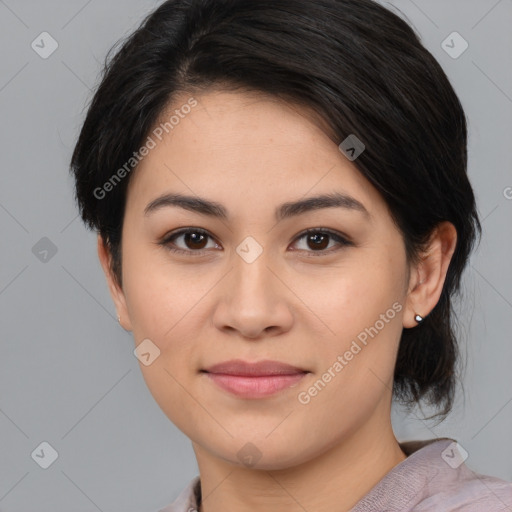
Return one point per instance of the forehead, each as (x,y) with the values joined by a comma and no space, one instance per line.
(239,148)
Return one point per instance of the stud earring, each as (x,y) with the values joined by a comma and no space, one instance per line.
(119,320)
(418,318)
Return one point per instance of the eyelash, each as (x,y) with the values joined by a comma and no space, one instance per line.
(166,242)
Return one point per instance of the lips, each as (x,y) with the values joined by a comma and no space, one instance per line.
(254,380)
(259,369)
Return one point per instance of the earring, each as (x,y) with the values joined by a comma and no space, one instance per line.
(119,320)
(418,318)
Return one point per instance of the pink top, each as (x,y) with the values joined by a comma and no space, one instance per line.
(434,477)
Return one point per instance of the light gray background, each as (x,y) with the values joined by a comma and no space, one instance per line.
(68,375)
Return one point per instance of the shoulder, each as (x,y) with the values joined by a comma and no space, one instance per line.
(435,477)
(455,486)
(472,493)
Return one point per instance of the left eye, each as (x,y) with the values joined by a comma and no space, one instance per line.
(195,241)
(319,239)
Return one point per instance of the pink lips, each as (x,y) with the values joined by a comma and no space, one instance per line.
(254,380)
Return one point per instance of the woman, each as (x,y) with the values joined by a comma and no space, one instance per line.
(283,216)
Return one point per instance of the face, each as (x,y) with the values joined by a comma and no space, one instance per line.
(251,284)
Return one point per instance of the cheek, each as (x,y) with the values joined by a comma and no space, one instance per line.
(360,312)
(159,296)
(349,298)
(355,374)
(164,304)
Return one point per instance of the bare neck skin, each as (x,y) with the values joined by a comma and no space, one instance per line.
(334,480)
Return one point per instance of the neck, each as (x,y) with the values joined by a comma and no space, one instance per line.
(336,479)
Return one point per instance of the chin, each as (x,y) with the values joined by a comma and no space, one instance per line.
(262,453)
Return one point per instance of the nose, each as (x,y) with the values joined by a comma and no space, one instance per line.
(253,300)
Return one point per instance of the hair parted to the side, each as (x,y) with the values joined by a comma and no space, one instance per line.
(356,64)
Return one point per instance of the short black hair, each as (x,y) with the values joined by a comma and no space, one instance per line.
(362,69)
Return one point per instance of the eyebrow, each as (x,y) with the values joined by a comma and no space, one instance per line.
(286,210)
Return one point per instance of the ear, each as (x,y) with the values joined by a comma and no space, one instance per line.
(116,291)
(428,276)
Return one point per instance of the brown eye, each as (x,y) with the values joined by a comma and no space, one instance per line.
(194,241)
(317,240)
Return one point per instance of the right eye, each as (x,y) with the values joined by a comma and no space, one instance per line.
(193,238)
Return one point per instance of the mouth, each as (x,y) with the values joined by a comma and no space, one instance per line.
(254,380)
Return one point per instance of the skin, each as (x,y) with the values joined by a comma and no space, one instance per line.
(293,304)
